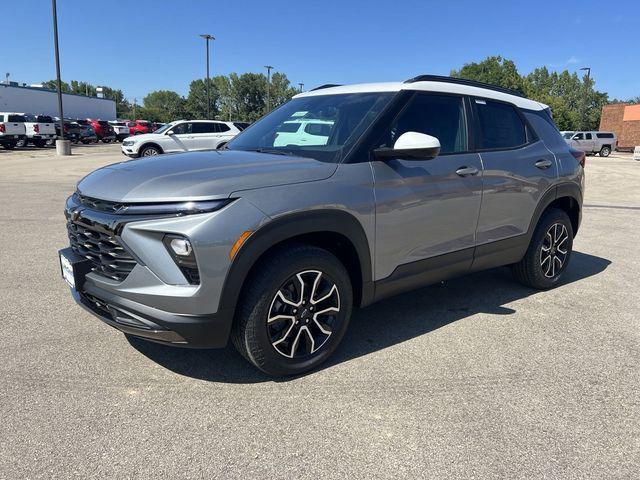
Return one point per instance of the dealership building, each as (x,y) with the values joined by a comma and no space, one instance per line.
(37,100)
(624,120)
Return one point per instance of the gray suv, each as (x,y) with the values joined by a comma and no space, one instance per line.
(272,243)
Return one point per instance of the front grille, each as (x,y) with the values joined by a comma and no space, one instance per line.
(98,205)
(99,245)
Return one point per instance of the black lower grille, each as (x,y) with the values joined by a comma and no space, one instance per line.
(99,245)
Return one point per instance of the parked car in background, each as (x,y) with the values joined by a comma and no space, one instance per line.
(181,136)
(120,128)
(87,134)
(636,153)
(39,129)
(71,129)
(12,129)
(592,142)
(139,127)
(241,125)
(304,131)
(103,130)
(272,247)
(156,126)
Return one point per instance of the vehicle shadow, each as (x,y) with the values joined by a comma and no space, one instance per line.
(381,325)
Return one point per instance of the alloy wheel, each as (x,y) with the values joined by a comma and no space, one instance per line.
(554,251)
(303,314)
(149,152)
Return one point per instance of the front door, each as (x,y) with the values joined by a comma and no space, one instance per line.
(427,208)
(182,139)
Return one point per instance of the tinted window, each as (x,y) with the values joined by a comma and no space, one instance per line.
(500,125)
(44,119)
(182,128)
(223,127)
(441,116)
(543,124)
(579,136)
(204,127)
(604,135)
(240,125)
(289,127)
(589,137)
(16,118)
(320,129)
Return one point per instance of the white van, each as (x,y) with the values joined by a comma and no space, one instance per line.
(306,131)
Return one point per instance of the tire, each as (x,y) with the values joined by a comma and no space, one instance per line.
(150,151)
(265,312)
(39,143)
(9,145)
(106,140)
(605,151)
(549,252)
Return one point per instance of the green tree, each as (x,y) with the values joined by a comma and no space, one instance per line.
(281,89)
(164,106)
(53,85)
(196,103)
(248,94)
(494,70)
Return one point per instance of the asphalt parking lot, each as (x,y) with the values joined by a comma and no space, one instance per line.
(477,378)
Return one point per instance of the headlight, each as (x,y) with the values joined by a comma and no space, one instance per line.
(179,208)
(127,143)
(181,251)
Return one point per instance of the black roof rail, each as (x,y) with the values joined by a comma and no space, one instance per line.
(462,81)
(326,85)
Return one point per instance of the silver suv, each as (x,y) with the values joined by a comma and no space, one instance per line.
(273,243)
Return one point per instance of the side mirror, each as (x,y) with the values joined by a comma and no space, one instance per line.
(170,132)
(575,137)
(411,146)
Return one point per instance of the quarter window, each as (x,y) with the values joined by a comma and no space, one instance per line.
(500,126)
(441,116)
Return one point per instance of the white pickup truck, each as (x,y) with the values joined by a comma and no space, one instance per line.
(11,129)
(40,129)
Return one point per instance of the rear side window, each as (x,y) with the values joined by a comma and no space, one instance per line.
(604,135)
(203,127)
(500,126)
(16,118)
(441,116)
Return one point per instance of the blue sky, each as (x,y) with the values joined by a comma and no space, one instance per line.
(148,45)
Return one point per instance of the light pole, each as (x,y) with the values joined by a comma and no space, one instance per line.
(63,147)
(269,68)
(586,98)
(208,37)
(301,85)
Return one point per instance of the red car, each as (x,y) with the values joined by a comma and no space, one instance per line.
(138,127)
(104,131)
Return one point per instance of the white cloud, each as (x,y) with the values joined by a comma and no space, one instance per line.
(573,60)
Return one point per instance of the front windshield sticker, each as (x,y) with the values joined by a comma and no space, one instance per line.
(299,114)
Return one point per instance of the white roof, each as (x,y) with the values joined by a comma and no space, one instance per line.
(429,86)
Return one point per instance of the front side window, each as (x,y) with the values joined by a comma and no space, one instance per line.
(579,136)
(500,126)
(347,115)
(182,128)
(441,116)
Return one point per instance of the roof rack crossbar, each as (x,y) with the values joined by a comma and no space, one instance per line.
(326,85)
(462,81)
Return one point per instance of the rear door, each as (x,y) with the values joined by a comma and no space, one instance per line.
(518,170)
(206,135)
(428,208)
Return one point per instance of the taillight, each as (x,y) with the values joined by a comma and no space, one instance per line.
(2,128)
(580,156)
(36,128)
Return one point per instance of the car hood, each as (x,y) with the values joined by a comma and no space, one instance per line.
(143,137)
(199,175)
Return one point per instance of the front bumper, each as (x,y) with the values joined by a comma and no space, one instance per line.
(132,318)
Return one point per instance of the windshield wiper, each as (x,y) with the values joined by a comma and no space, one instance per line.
(272,151)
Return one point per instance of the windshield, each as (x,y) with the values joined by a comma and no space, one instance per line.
(320,127)
(567,134)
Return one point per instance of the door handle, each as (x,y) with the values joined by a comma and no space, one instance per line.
(466,171)
(543,164)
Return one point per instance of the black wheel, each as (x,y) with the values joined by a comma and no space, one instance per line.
(549,251)
(294,310)
(40,143)
(106,140)
(605,151)
(9,145)
(150,151)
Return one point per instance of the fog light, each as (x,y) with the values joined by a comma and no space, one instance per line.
(181,246)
